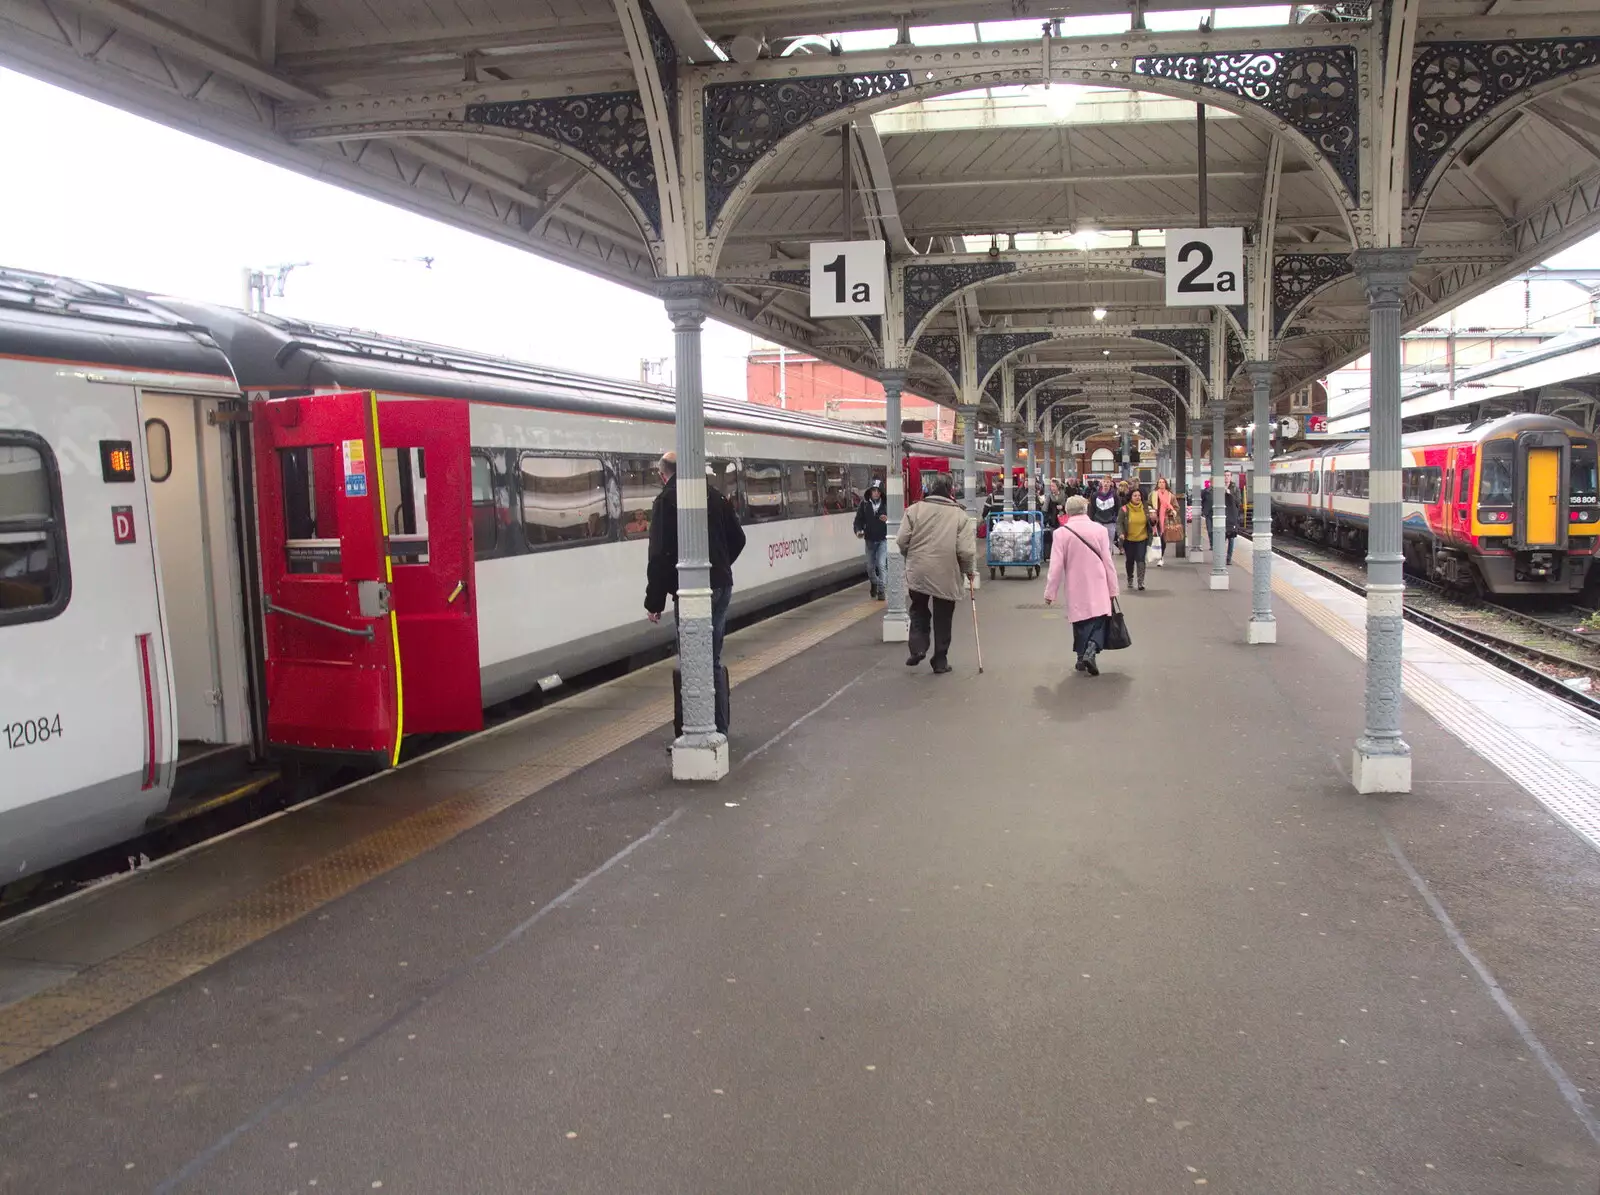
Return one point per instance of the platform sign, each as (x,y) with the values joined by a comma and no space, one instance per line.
(848,278)
(1205,267)
(1080,446)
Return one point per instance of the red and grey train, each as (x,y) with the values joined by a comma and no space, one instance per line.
(1507,506)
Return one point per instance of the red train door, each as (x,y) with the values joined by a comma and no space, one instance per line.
(427,465)
(332,654)
(366,564)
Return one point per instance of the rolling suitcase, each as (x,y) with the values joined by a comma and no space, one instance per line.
(723,706)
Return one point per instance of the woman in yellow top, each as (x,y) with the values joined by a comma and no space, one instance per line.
(1135,525)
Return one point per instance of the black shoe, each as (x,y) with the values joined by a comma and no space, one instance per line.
(1141,585)
(942,666)
(1089,665)
(913,660)
(1082,665)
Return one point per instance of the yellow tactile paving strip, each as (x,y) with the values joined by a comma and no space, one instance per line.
(32,1026)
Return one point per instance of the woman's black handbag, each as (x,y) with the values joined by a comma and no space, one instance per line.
(1117,636)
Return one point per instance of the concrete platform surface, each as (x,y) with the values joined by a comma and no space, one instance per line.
(1024,932)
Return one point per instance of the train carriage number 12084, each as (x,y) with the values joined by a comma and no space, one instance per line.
(32,730)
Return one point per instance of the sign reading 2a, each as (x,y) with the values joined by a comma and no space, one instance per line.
(1205,267)
(848,278)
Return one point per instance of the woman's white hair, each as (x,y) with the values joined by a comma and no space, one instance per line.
(1077,505)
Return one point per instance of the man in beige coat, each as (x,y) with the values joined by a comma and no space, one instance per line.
(941,552)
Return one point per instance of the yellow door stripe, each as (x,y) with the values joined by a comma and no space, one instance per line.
(388,579)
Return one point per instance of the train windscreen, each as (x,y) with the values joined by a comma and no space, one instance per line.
(1497,483)
(1583,478)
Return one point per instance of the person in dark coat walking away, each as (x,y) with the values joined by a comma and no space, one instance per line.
(1233,517)
(1052,516)
(724,536)
(872,527)
(936,539)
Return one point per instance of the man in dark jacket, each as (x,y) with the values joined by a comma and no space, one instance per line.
(872,527)
(1054,504)
(723,535)
(1105,506)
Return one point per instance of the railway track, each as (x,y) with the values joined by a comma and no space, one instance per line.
(1546,652)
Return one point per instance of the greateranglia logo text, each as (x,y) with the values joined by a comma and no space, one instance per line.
(785,548)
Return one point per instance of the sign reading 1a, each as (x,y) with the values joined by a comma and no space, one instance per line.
(1205,267)
(848,278)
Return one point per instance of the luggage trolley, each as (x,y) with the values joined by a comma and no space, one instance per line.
(1015,539)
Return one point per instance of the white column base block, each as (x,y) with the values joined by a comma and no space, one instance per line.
(1261,632)
(1380,773)
(701,761)
(896,630)
(1217,581)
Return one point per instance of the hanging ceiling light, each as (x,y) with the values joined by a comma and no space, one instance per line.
(1099,313)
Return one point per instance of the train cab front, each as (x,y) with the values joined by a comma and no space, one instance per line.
(1538,511)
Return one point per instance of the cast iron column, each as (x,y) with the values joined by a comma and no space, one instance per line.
(1197,533)
(969,459)
(1219,497)
(1382,760)
(700,752)
(1262,627)
(896,624)
(1008,451)
(1180,474)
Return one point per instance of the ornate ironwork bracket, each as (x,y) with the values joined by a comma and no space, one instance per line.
(1457,84)
(993,390)
(944,350)
(994,347)
(1193,343)
(609,129)
(1176,376)
(1296,275)
(1235,350)
(1313,91)
(666,56)
(745,120)
(1028,379)
(928,286)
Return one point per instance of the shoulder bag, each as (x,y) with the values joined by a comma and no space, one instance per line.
(1117,636)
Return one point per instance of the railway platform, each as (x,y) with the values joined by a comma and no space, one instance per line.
(1019,931)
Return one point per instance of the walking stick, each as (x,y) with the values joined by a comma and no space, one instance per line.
(975,639)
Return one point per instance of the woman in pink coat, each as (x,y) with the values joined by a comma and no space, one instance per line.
(1080,563)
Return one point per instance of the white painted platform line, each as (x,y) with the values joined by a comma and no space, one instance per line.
(1550,749)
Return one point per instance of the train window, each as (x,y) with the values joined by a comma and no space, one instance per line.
(1432,484)
(485,515)
(763,491)
(158,449)
(639,481)
(1316,482)
(563,500)
(836,490)
(405,482)
(35,581)
(1497,482)
(1327,481)
(860,479)
(1464,484)
(1583,478)
(311,479)
(800,491)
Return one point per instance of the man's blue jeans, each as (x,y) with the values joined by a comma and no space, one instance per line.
(720,599)
(877,561)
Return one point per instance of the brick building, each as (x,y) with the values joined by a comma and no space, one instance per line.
(782,378)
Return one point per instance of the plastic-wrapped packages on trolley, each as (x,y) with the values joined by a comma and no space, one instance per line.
(1014,540)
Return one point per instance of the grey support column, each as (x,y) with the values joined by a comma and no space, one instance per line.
(700,752)
(969,458)
(896,622)
(1197,533)
(1382,760)
(1180,475)
(1219,497)
(1008,442)
(1262,627)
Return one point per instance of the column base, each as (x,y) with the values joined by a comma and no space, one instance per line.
(700,757)
(896,630)
(1261,632)
(1217,581)
(1387,773)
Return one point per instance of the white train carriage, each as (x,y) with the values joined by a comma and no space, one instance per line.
(121,633)
(221,531)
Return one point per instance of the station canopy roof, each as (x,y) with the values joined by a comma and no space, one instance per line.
(533,122)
